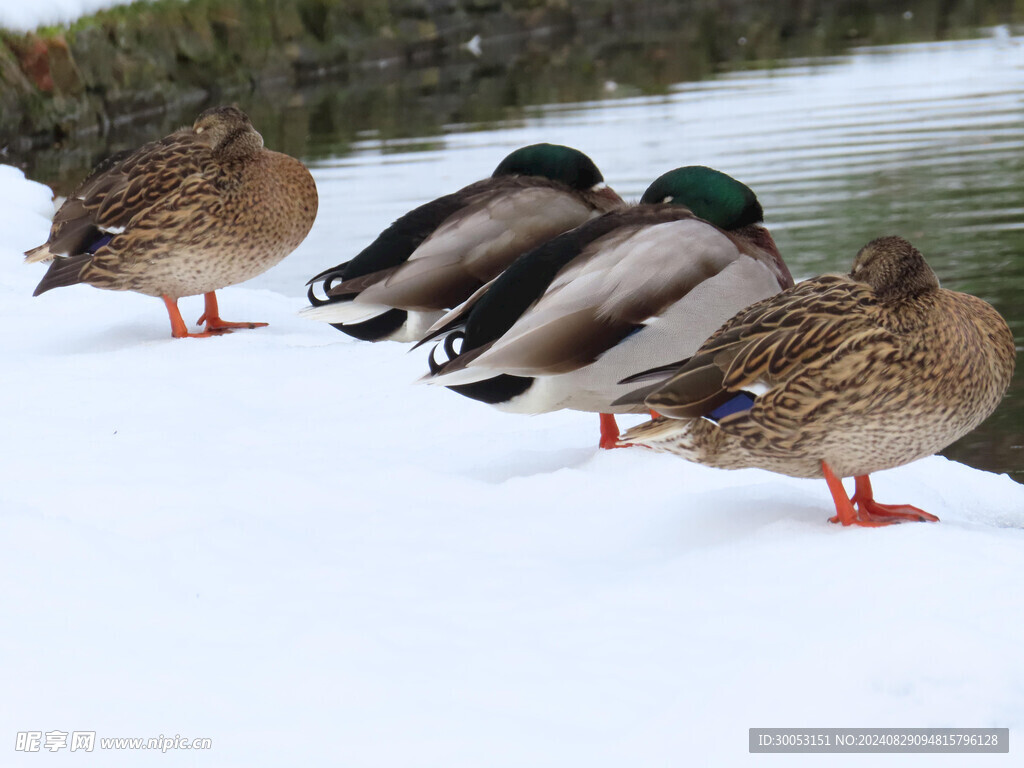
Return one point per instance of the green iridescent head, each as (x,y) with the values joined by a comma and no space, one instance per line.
(553,161)
(710,194)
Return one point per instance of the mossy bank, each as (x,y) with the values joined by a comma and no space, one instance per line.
(170,57)
(141,57)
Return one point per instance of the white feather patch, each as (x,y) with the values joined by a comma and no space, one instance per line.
(757,388)
(346,312)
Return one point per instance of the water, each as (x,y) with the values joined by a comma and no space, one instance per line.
(923,140)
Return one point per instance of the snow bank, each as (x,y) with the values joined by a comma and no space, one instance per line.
(274,540)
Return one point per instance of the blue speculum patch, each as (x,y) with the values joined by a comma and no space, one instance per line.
(100,242)
(740,402)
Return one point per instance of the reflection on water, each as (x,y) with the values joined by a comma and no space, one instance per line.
(922,140)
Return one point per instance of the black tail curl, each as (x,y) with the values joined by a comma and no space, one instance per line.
(449,350)
(315,300)
(328,277)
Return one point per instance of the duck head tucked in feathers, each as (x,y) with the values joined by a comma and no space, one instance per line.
(228,132)
(434,257)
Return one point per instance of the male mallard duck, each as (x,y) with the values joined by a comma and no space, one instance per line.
(200,209)
(435,256)
(629,290)
(841,375)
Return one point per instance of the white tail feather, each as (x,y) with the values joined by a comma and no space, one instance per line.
(461,376)
(346,312)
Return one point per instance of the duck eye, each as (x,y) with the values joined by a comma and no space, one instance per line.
(200,129)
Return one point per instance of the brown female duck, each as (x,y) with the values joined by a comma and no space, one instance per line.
(203,208)
(841,375)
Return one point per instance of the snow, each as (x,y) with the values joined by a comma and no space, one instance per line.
(275,540)
(25,17)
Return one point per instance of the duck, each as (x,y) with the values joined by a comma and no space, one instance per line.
(434,257)
(205,207)
(840,376)
(633,288)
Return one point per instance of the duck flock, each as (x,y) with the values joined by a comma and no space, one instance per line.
(538,288)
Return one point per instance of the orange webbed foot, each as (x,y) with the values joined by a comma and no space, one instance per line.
(863,510)
(217,326)
(214,324)
(178,328)
(200,335)
(863,497)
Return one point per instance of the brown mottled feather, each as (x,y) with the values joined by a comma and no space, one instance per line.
(766,341)
(121,187)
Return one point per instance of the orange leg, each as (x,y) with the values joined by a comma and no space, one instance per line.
(609,432)
(211,316)
(868,512)
(845,513)
(178,328)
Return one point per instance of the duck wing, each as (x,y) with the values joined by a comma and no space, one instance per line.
(118,190)
(617,284)
(788,351)
(477,242)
